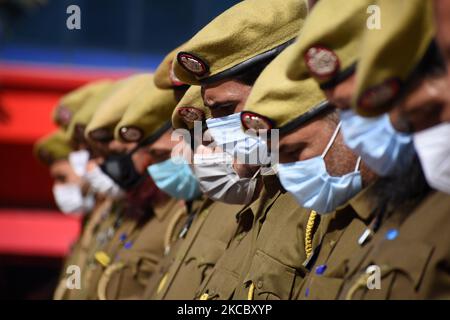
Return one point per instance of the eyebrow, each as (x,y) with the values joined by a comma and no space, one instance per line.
(218,104)
(288,147)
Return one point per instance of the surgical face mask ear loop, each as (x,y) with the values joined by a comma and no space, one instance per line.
(330,143)
(253,182)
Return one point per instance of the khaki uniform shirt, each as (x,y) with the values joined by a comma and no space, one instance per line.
(411,251)
(139,251)
(340,232)
(265,258)
(196,253)
(82,250)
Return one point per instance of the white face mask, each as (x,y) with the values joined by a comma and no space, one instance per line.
(79,160)
(102,183)
(70,200)
(220,182)
(433,148)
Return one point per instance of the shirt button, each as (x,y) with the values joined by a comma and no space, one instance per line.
(259,284)
(321,269)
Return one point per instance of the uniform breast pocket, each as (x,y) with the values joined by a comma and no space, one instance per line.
(395,270)
(128,276)
(143,265)
(269,279)
(204,254)
(221,285)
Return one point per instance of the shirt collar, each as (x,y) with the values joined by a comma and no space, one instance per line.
(363,203)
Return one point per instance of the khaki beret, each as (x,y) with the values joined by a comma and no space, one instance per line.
(69,104)
(147,116)
(108,114)
(52,147)
(78,123)
(164,75)
(249,32)
(190,108)
(278,102)
(328,45)
(389,55)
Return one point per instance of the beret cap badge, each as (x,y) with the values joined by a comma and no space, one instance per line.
(380,95)
(321,62)
(64,115)
(255,121)
(131,134)
(193,64)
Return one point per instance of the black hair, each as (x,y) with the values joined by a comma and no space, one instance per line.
(406,189)
(249,75)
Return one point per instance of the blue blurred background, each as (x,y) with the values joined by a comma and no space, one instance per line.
(118,33)
(41,60)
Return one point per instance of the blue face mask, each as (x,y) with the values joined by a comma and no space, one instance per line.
(227,133)
(385,150)
(175,177)
(313,187)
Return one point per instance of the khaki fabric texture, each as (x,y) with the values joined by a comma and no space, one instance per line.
(79,254)
(82,118)
(411,261)
(266,252)
(149,110)
(52,147)
(337,26)
(244,31)
(139,254)
(392,52)
(190,108)
(340,232)
(207,239)
(280,99)
(111,110)
(164,76)
(69,104)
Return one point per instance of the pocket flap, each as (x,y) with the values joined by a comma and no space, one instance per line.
(206,251)
(410,258)
(269,276)
(220,287)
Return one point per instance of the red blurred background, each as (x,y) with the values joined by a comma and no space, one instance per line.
(33,234)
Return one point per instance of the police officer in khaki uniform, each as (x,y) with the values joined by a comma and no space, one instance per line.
(402,258)
(53,151)
(146,122)
(207,232)
(386,248)
(145,206)
(103,188)
(107,239)
(318,170)
(70,103)
(226,62)
(68,107)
